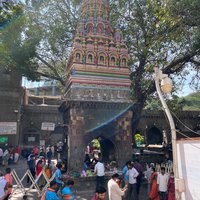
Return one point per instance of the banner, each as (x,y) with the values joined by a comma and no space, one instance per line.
(48,126)
(188,152)
(8,128)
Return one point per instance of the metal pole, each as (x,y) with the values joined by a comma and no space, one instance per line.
(172,126)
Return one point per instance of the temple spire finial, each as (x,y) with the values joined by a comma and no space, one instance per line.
(95,8)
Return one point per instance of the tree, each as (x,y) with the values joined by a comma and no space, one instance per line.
(157,35)
(16,53)
(162,33)
(192,102)
(44,36)
(57,21)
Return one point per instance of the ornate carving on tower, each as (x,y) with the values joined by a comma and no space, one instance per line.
(99,58)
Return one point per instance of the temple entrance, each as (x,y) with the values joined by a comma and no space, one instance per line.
(154,136)
(100,147)
(107,151)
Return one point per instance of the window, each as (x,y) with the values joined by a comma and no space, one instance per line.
(90,58)
(102,60)
(124,63)
(112,61)
(78,57)
(31,139)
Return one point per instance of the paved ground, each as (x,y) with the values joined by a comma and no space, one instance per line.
(21,167)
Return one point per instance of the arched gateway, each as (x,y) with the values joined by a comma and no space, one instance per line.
(98,87)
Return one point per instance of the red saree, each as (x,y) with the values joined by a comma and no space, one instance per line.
(171,189)
(153,195)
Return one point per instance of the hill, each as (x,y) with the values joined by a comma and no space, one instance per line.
(192,101)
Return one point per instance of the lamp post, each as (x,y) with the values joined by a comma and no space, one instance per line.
(166,86)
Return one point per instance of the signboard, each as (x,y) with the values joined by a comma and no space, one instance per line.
(3,140)
(8,128)
(31,139)
(48,126)
(188,152)
(42,142)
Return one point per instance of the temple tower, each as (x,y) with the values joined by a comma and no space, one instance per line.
(98,87)
(98,65)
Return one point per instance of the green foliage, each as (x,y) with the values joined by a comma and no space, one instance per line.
(156,36)
(15,52)
(8,11)
(192,102)
(175,104)
(37,42)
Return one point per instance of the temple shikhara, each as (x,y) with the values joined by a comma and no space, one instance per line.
(98,88)
(98,66)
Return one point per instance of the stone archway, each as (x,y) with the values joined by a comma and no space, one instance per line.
(154,136)
(90,120)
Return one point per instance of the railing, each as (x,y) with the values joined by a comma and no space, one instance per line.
(168,167)
(34,182)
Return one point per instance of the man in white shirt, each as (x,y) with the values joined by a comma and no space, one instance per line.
(162,182)
(132,183)
(99,170)
(114,191)
(2,185)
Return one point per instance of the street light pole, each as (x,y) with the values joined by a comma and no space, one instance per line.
(158,77)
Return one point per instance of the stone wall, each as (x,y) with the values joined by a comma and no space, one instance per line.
(11,95)
(158,119)
(31,123)
(87,123)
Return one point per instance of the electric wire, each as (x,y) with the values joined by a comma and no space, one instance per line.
(184,124)
(179,121)
(192,139)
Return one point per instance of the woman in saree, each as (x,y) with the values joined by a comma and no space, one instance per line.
(153,195)
(171,187)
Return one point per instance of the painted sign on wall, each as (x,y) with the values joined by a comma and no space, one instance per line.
(3,140)
(48,126)
(8,128)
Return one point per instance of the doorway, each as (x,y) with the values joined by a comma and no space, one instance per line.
(154,136)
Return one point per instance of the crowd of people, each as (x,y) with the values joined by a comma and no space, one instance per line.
(9,155)
(162,185)
(125,186)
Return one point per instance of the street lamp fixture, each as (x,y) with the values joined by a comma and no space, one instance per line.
(166,85)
